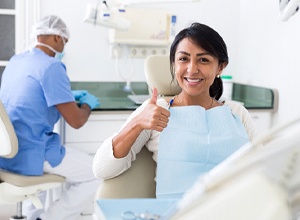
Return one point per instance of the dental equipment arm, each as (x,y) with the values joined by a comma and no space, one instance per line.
(288,8)
(275,165)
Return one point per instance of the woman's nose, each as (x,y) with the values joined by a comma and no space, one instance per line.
(193,68)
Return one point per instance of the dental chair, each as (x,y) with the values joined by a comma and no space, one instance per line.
(138,181)
(15,188)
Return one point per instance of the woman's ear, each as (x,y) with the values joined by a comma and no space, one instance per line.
(221,68)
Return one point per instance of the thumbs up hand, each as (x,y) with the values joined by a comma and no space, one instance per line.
(154,117)
(153,97)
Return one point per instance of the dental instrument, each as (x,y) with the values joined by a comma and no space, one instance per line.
(129,215)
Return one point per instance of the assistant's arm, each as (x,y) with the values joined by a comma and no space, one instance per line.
(74,115)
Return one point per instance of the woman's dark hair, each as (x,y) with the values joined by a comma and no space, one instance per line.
(208,39)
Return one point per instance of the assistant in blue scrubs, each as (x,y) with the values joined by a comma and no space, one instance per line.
(30,97)
(36,92)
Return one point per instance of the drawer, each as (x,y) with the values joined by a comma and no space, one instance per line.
(262,120)
(99,127)
(89,148)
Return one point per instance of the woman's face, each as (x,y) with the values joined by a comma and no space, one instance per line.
(195,69)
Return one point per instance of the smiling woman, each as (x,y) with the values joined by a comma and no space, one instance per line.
(196,71)
(194,55)
(190,134)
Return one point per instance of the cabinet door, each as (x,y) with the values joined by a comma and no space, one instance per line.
(262,120)
(99,127)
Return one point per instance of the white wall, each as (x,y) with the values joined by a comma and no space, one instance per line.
(269,54)
(87,53)
(263,51)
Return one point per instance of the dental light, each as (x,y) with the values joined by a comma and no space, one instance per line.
(107,16)
(288,8)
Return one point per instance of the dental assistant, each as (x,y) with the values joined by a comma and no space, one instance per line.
(189,134)
(36,92)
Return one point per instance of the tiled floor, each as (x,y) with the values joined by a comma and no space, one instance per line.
(6,211)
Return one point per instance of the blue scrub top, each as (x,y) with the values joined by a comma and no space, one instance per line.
(32,84)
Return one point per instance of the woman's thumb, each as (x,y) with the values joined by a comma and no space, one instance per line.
(154,96)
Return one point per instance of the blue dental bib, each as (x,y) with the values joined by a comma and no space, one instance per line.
(195,141)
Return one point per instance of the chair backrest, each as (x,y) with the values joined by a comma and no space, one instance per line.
(8,137)
(157,71)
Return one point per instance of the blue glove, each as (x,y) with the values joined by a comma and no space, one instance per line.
(90,99)
(78,94)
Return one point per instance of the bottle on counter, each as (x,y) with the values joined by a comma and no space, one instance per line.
(227,87)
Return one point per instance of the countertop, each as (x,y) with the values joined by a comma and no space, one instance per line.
(113,97)
(255,97)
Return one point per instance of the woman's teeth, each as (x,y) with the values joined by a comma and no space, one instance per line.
(193,80)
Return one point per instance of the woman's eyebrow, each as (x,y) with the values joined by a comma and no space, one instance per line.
(202,54)
(198,54)
(183,52)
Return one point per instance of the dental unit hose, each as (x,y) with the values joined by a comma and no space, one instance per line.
(126,78)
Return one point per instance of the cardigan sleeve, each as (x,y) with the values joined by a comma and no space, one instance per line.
(245,117)
(106,166)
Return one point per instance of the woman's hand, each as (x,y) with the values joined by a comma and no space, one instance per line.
(153,117)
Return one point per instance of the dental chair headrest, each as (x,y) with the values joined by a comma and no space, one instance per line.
(157,70)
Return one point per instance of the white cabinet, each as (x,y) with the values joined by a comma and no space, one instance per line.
(100,126)
(262,120)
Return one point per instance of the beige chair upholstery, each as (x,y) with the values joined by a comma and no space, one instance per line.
(157,71)
(14,188)
(138,181)
(8,137)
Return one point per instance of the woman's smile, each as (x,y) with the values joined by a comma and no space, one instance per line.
(193,80)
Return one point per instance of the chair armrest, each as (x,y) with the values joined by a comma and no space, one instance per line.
(137,182)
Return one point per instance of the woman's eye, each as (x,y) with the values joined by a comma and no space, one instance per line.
(203,60)
(182,58)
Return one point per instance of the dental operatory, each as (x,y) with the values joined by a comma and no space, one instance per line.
(149,109)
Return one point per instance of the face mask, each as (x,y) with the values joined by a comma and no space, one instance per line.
(58,55)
